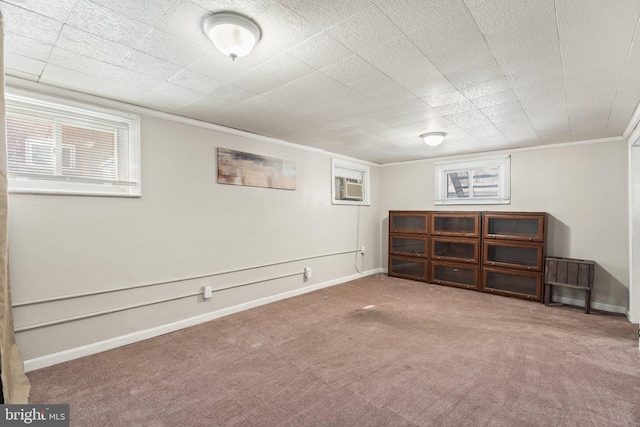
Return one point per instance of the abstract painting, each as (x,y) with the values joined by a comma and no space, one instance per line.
(239,168)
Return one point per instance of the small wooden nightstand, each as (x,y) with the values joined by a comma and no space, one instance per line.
(569,273)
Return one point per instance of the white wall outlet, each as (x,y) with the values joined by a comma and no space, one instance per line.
(308,273)
(362,250)
(206,292)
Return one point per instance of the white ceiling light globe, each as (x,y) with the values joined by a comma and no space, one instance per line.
(232,34)
(433,138)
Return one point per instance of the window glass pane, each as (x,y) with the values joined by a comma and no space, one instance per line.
(485,182)
(30,146)
(481,181)
(69,148)
(94,152)
(457,184)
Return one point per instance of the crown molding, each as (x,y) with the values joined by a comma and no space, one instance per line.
(18,84)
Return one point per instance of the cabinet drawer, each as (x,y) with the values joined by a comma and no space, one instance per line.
(520,284)
(409,222)
(410,245)
(408,267)
(455,274)
(513,255)
(512,226)
(455,224)
(462,250)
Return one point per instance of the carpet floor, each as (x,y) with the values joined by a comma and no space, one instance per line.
(377,351)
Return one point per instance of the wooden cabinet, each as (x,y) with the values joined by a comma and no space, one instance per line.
(455,224)
(409,222)
(409,244)
(455,249)
(496,252)
(408,267)
(455,274)
(513,283)
(459,250)
(513,251)
(513,255)
(524,226)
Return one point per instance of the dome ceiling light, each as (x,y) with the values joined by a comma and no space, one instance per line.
(433,138)
(232,34)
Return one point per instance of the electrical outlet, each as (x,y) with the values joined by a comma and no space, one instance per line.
(206,292)
(362,250)
(308,273)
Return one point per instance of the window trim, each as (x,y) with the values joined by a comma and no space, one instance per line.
(36,105)
(503,163)
(337,164)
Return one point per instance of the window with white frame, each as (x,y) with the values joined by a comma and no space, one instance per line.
(350,183)
(64,147)
(480,181)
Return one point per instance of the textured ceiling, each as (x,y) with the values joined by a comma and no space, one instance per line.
(361,78)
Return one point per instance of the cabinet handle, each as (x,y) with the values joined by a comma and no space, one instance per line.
(529,238)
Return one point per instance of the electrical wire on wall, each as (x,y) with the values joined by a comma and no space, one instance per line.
(358,242)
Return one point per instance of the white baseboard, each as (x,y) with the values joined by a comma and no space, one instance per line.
(595,305)
(86,350)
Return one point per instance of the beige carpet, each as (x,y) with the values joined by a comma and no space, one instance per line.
(419,355)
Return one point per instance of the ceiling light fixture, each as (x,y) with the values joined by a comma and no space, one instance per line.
(433,138)
(232,34)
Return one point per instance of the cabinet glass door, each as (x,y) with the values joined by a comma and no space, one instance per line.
(514,226)
(513,283)
(455,224)
(411,268)
(408,245)
(405,222)
(526,257)
(454,250)
(464,276)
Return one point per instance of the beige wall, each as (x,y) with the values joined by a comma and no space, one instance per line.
(635,235)
(583,188)
(184,225)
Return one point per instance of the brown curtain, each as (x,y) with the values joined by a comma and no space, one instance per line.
(15,384)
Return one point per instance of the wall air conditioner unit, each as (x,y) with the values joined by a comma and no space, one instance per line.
(351,189)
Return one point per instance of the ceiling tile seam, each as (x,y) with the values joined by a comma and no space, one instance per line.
(57,37)
(626,62)
(70,9)
(139,42)
(301,18)
(115,11)
(164,14)
(309,38)
(388,76)
(335,24)
(457,89)
(562,62)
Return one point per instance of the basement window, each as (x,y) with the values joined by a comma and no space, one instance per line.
(56,146)
(350,183)
(483,181)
